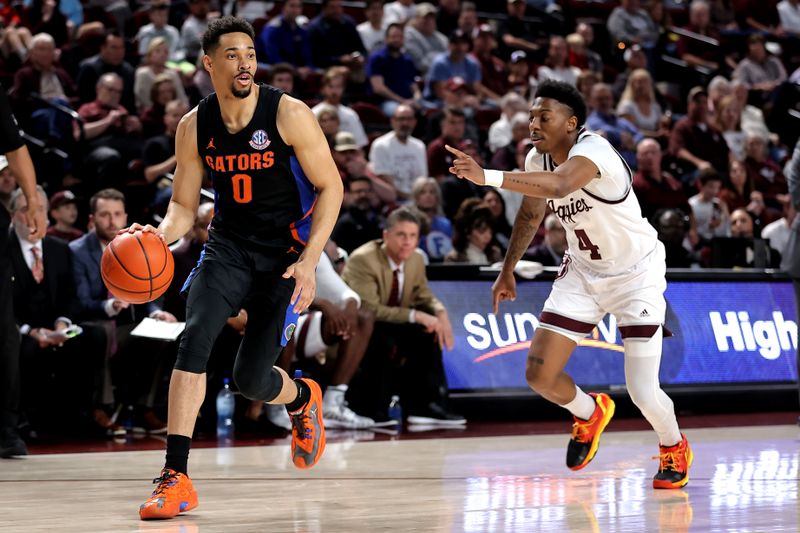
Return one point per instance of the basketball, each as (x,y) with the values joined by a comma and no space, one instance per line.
(137,267)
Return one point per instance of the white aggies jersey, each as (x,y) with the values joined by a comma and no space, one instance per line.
(605,228)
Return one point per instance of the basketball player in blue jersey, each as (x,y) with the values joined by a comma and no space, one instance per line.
(614,264)
(271,166)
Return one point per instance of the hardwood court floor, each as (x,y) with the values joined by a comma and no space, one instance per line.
(743,479)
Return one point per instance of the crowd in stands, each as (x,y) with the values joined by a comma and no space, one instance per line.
(702,101)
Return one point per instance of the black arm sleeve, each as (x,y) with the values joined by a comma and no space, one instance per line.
(10,138)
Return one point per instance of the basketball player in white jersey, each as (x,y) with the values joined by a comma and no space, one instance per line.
(614,264)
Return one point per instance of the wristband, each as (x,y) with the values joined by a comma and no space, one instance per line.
(493,178)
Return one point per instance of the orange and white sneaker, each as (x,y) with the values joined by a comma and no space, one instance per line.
(308,429)
(174,494)
(674,463)
(586,433)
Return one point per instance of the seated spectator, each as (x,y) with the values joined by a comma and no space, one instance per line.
(710,213)
(439,159)
(456,190)
(286,39)
(158,155)
(767,176)
(328,118)
(192,30)
(494,74)
(423,42)
(496,202)
(505,158)
(639,106)
(455,63)
(622,135)
(47,17)
(744,249)
(42,76)
(695,140)
(759,17)
(55,370)
(672,226)
(723,15)
(391,73)
(15,39)
(635,58)
(399,11)
(111,59)
(789,14)
(752,117)
(282,76)
(556,64)
(161,93)
(8,183)
(447,16)
(110,132)
(699,52)
(468,19)
(456,96)
(550,252)
(741,224)
(779,231)
(334,85)
(473,237)
(737,192)
(500,131)
(397,157)
(516,33)
(158,12)
(718,88)
(630,24)
(64,210)
(585,83)
(411,327)
(762,72)
(154,65)
(593,60)
(359,221)
(373,30)
(335,40)
(727,119)
(436,242)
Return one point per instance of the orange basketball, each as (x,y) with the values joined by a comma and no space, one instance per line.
(137,267)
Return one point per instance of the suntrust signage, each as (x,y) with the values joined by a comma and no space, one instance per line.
(725,332)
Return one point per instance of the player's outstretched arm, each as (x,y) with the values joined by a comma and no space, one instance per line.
(529,216)
(299,129)
(570,176)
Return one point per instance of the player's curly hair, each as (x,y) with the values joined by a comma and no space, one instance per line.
(565,94)
(219,27)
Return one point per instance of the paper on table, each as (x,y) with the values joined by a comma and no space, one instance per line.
(158,329)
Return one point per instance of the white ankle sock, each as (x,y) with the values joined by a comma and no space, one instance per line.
(582,405)
(334,395)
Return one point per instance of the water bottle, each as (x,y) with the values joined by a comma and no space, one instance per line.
(395,411)
(225,407)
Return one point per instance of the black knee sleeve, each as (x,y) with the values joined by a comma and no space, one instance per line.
(262,386)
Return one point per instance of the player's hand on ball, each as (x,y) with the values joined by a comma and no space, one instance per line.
(133,228)
(466,167)
(504,288)
(305,285)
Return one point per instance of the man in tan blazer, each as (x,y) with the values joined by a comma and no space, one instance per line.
(411,325)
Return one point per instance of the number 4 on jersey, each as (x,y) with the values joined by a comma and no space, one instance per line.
(586,245)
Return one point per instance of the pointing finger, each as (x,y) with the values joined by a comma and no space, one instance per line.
(456,152)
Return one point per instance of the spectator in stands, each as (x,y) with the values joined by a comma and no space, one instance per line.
(155,64)
(397,157)
(335,40)
(351,163)
(111,59)
(439,159)
(672,225)
(635,58)
(500,130)
(15,39)
(630,24)
(727,119)
(556,64)
(468,19)
(639,106)
(54,368)
(282,77)
(42,76)
(752,117)
(456,190)
(494,74)
(436,242)
(520,78)
(455,63)
(779,231)
(447,15)
(158,155)
(328,118)
(399,11)
(587,79)
(286,39)
(576,52)
(43,16)
(710,213)
(505,158)
(161,93)
(411,326)
(760,18)
(789,14)
(737,192)
(723,15)
(656,188)
(334,85)
(391,73)
(423,42)
(496,203)
(110,132)
(373,30)
(192,30)
(622,135)
(550,252)
(698,52)
(473,237)
(594,61)
(8,183)
(762,72)
(64,211)
(695,140)
(767,176)
(360,221)
(742,224)
(158,12)
(718,88)
(516,33)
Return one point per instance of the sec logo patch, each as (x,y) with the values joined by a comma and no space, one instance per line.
(259,140)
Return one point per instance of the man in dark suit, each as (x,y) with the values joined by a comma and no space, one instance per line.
(55,368)
(137,361)
(411,325)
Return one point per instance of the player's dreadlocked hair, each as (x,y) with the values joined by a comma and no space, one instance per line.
(565,94)
(219,27)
